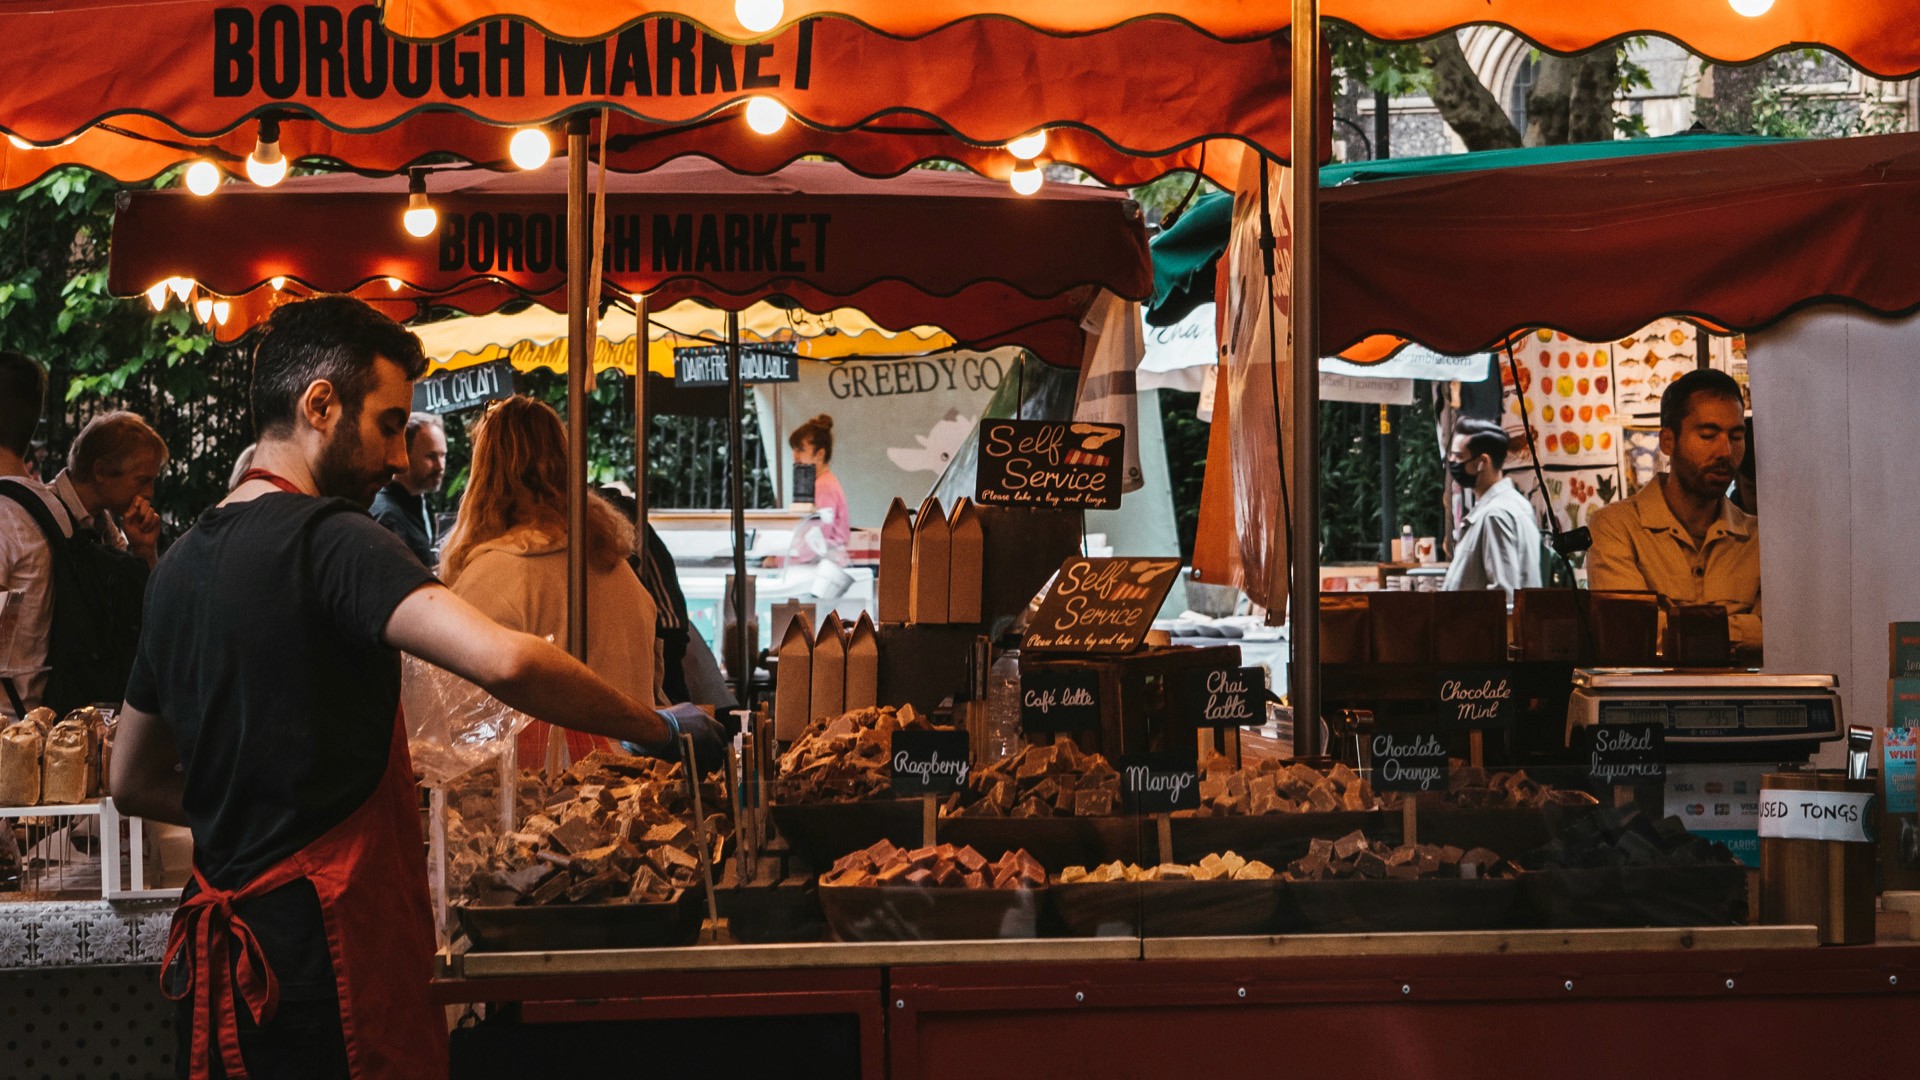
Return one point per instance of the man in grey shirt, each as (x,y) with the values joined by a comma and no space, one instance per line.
(1500,548)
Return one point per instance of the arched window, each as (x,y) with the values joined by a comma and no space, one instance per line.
(1522,86)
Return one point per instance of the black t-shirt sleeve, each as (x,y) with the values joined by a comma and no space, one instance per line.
(142,692)
(361,572)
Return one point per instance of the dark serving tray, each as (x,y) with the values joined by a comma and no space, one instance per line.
(821,833)
(904,913)
(1274,839)
(1372,906)
(551,927)
(1171,908)
(1057,842)
(1635,896)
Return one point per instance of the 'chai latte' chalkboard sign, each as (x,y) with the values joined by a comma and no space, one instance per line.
(1055,465)
(1226,697)
(1100,605)
(929,762)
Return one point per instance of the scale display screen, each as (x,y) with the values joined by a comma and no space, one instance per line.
(1713,718)
(1637,713)
(1776,716)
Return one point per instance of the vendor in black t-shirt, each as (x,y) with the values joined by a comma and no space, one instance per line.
(263,713)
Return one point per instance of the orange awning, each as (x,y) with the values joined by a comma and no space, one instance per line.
(1876,34)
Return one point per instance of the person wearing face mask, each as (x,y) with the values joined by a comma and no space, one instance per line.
(1680,536)
(1500,548)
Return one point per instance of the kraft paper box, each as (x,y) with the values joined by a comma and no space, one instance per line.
(829,697)
(967,550)
(793,692)
(863,665)
(1903,702)
(1903,649)
(932,558)
(896,564)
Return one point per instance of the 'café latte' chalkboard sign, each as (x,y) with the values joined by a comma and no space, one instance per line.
(1627,753)
(1226,697)
(1159,783)
(1057,699)
(929,762)
(1050,464)
(1100,605)
(1408,762)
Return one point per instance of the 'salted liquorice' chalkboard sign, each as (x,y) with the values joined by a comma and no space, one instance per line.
(1057,699)
(1100,605)
(1409,762)
(1474,698)
(1627,753)
(706,365)
(1159,783)
(1050,464)
(1226,697)
(929,762)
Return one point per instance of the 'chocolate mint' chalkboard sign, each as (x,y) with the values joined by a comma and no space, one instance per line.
(1056,699)
(929,762)
(1476,698)
(1159,783)
(1408,762)
(1049,464)
(1226,697)
(1627,753)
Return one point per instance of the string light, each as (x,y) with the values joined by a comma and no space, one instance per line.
(1028,146)
(765,115)
(1752,9)
(530,148)
(221,309)
(420,219)
(278,283)
(22,144)
(1026,181)
(759,16)
(203,177)
(203,308)
(157,295)
(393,284)
(182,287)
(266,166)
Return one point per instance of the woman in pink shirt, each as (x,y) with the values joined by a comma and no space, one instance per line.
(812,444)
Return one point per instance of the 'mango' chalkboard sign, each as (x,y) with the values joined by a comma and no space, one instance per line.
(1159,783)
(1050,464)
(929,762)
(1057,699)
(1226,697)
(1100,605)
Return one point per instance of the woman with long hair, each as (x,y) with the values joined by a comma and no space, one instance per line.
(507,555)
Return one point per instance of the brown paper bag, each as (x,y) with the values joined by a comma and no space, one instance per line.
(66,775)
(21,744)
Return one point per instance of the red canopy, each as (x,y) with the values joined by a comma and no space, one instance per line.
(1877,34)
(199,69)
(1737,238)
(941,248)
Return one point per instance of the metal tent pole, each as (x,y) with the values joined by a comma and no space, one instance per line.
(1304,616)
(642,356)
(740,658)
(579,373)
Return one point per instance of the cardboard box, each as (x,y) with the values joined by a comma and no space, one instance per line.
(932,560)
(967,559)
(863,665)
(895,586)
(829,697)
(793,688)
(1903,650)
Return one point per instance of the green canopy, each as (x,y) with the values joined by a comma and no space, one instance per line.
(1186,254)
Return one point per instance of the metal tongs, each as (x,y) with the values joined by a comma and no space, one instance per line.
(691,767)
(1859,751)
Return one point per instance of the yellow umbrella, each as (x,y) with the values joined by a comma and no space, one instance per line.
(537,337)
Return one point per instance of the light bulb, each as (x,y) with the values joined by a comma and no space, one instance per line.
(1752,9)
(1027,147)
(22,144)
(19,143)
(203,177)
(203,308)
(765,115)
(420,220)
(181,287)
(393,284)
(278,283)
(530,148)
(1026,181)
(221,309)
(759,16)
(157,295)
(266,173)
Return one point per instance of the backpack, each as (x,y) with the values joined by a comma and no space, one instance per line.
(99,595)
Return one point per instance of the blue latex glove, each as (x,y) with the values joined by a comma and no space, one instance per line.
(709,737)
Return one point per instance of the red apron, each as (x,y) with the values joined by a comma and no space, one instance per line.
(371,876)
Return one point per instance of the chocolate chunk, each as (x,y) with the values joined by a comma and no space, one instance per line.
(1350,845)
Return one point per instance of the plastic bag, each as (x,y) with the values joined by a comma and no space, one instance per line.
(453,726)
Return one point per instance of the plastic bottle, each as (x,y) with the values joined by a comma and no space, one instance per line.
(1003,705)
(1407,543)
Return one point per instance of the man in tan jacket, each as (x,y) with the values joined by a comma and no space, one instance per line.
(1680,536)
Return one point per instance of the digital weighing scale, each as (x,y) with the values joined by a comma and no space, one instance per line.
(1724,716)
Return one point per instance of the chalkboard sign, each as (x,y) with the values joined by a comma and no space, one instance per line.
(706,365)
(1100,605)
(1474,698)
(1407,762)
(1050,464)
(1059,699)
(929,762)
(1225,697)
(803,480)
(452,391)
(1159,783)
(1627,753)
